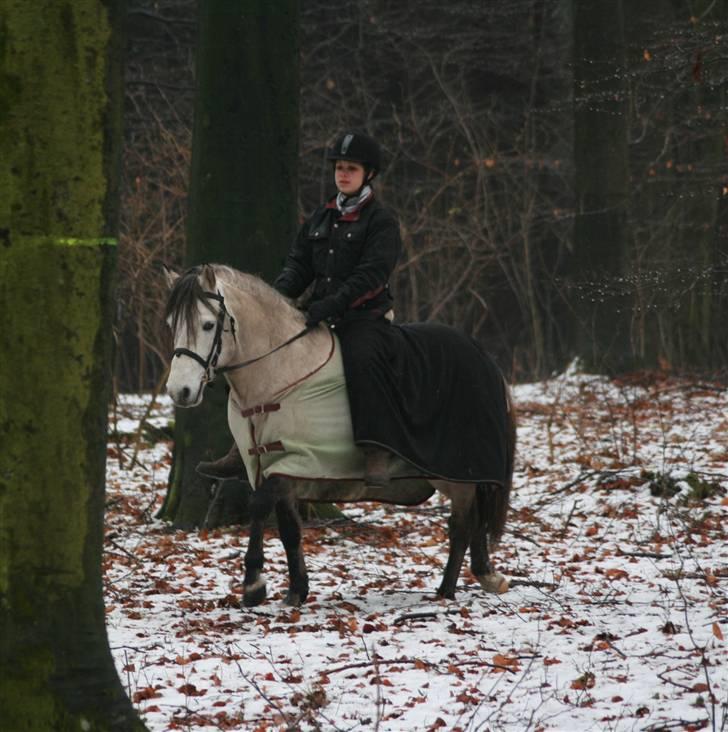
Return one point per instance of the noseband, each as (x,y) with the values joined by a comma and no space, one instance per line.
(209,363)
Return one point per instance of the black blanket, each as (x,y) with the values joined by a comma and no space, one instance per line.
(429,394)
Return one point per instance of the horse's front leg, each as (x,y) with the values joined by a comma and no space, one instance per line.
(289,528)
(262,503)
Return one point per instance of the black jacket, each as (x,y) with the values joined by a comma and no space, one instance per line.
(349,257)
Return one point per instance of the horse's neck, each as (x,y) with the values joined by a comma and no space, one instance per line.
(261,327)
(263,381)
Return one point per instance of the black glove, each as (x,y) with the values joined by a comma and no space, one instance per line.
(325,309)
(285,283)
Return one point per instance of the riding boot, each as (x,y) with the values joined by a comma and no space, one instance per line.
(376,469)
(228,466)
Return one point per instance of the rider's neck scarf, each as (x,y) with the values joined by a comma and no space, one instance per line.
(350,204)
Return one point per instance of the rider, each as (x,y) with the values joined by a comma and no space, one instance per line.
(347,249)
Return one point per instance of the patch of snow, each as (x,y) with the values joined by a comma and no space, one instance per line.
(615,619)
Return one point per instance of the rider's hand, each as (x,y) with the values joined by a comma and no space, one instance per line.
(325,309)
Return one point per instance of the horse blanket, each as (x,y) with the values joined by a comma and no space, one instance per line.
(441,409)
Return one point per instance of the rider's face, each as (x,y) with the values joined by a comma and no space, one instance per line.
(348,176)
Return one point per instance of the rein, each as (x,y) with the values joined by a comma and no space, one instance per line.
(243,364)
(210,363)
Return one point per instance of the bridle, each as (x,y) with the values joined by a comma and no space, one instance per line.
(209,364)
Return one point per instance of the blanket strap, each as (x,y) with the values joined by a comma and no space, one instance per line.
(260,409)
(276,446)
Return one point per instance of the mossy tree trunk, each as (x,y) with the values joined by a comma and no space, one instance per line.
(59,139)
(601,233)
(242,189)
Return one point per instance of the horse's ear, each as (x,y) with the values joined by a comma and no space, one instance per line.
(207,277)
(170,276)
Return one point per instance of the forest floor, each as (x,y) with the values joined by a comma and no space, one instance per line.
(617,616)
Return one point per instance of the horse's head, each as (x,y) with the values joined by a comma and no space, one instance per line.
(197,315)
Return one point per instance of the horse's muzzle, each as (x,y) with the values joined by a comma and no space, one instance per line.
(185,397)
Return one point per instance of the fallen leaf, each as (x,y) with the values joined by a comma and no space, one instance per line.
(191,690)
(586,681)
(505,662)
(614,573)
(147,692)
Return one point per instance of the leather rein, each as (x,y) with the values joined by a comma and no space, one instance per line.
(209,364)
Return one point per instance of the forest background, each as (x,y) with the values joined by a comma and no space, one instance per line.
(558,169)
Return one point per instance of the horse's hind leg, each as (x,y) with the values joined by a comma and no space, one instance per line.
(480,564)
(261,504)
(289,527)
(461,525)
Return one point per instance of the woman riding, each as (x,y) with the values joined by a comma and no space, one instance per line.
(346,250)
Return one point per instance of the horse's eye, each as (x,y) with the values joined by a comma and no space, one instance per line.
(208,326)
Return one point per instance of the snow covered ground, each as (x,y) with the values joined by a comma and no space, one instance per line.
(616,618)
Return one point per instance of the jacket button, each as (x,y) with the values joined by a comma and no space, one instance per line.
(328,279)
(348,236)
(316,233)
(331,251)
(336,226)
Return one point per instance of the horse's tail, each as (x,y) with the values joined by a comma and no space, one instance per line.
(493,499)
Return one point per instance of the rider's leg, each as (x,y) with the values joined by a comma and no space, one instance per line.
(228,466)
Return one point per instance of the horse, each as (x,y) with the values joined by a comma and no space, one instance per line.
(226,321)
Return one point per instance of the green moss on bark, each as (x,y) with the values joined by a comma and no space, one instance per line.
(53,65)
(59,285)
(56,271)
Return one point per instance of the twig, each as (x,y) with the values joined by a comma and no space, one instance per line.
(533,583)
(416,616)
(402,661)
(147,412)
(615,649)
(124,551)
(653,555)
(565,528)
(661,676)
(522,536)
(260,691)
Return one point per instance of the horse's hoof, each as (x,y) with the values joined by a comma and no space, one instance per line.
(494,582)
(292,599)
(254,594)
(446,594)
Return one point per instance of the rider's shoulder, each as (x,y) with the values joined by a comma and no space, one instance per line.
(375,208)
(381,214)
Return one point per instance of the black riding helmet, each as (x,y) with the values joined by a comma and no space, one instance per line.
(358,148)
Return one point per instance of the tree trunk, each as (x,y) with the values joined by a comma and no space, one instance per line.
(242,189)
(700,323)
(601,233)
(59,142)
(676,162)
